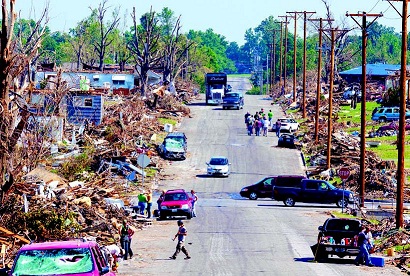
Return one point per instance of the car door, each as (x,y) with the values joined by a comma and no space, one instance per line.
(266,187)
(388,112)
(310,192)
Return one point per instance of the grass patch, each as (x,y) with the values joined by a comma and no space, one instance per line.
(167,121)
(239,75)
(387,150)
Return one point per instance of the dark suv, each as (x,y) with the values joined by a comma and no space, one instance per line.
(264,187)
(176,203)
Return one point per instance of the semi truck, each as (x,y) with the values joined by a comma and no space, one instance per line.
(215,87)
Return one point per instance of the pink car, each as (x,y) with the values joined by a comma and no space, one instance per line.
(67,258)
(176,203)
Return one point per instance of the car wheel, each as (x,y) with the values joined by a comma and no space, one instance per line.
(382,119)
(289,202)
(162,217)
(189,215)
(253,196)
(342,202)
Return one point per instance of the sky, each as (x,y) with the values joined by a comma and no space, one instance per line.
(230,18)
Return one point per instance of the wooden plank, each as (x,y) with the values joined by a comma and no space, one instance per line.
(2,229)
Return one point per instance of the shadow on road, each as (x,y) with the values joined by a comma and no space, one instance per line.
(299,206)
(336,260)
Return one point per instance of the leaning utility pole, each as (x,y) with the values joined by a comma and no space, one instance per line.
(294,54)
(331,80)
(319,74)
(400,175)
(364,27)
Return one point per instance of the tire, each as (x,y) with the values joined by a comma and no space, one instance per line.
(289,202)
(339,203)
(253,196)
(189,215)
(382,119)
(238,107)
(162,217)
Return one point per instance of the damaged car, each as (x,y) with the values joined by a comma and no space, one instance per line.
(174,146)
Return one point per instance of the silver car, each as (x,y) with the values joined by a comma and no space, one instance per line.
(219,166)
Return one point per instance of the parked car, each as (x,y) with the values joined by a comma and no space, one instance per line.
(287,141)
(174,146)
(176,203)
(264,187)
(218,166)
(383,114)
(287,124)
(311,191)
(352,90)
(77,257)
(337,237)
(233,100)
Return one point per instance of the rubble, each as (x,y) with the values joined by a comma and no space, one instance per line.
(64,198)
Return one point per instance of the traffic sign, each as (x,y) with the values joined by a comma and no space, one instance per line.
(344,173)
(143,160)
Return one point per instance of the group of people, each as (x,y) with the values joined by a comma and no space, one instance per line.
(145,203)
(113,252)
(259,122)
(365,243)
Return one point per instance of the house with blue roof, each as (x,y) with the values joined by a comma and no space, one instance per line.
(374,72)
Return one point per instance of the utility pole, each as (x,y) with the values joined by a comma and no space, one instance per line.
(319,74)
(280,51)
(331,80)
(364,27)
(285,54)
(305,14)
(401,178)
(294,54)
(273,57)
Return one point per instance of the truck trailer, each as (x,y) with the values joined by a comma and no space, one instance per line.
(215,87)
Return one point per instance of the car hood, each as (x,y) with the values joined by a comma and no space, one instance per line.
(218,167)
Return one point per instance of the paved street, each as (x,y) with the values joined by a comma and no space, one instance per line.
(234,235)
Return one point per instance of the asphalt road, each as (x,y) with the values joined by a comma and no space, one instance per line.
(233,235)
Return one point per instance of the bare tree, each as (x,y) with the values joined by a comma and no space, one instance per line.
(104,40)
(144,46)
(341,41)
(79,39)
(174,53)
(16,58)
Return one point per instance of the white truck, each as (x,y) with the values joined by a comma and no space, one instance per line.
(215,87)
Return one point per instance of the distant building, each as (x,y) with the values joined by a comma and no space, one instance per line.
(375,72)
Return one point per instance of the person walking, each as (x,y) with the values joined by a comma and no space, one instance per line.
(256,125)
(265,126)
(149,203)
(270,116)
(277,127)
(182,232)
(142,202)
(193,201)
(362,242)
(125,241)
(250,123)
(160,199)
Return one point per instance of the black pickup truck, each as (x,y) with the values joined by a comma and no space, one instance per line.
(337,237)
(311,191)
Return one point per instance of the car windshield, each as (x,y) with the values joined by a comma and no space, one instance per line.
(173,142)
(218,161)
(343,224)
(53,262)
(232,95)
(175,197)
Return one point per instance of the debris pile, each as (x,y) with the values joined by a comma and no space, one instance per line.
(94,168)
